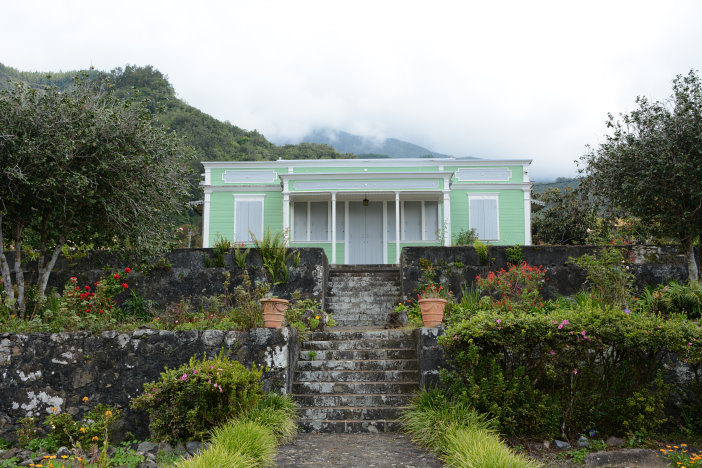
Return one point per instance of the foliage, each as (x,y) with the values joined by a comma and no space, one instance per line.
(671,299)
(218,456)
(274,255)
(277,413)
(609,278)
(187,402)
(514,255)
(566,218)
(459,434)
(650,167)
(593,367)
(93,169)
(679,455)
(481,248)
(95,427)
(248,438)
(465,237)
(27,431)
(519,285)
(432,291)
(241,253)
(219,250)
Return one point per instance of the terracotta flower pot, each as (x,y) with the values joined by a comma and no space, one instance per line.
(432,311)
(273,311)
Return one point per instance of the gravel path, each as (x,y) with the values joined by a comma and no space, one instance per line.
(354,450)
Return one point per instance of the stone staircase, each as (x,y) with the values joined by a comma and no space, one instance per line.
(355,381)
(362,295)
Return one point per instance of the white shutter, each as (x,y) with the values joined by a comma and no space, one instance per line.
(391,221)
(248,218)
(483,217)
(319,221)
(431,220)
(412,221)
(300,221)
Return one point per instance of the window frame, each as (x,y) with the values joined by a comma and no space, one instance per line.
(249,198)
(486,196)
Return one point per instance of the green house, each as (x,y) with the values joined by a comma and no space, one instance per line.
(363,211)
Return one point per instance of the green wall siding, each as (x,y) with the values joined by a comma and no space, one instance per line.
(511,214)
(222,213)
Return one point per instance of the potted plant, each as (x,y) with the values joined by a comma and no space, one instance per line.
(432,305)
(273,311)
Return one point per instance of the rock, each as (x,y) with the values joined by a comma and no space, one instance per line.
(165,447)
(310,314)
(615,442)
(150,456)
(547,444)
(397,319)
(9,453)
(560,445)
(148,464)
(625,458)
(63,451)
(193,447)
(583,442)
(147,447)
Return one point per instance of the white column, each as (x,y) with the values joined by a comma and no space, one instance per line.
(397,226)
(206,220)
(346,232)
(333,226)
(527,216)
(447,218)
(286,218)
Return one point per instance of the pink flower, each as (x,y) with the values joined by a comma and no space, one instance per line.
(560,327)
(194,371)
(499,320)
(552,352)
(566,322)
(582,332)
(575,371)
(184,378)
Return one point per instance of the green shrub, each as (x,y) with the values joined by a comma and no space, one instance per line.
(218,457)
(595,368)
(276,412)
(481,248)
(274,255)
(187,402)
(514,255)
(519,284)
(465,237)
(249,439)
(474,447)
(672,298)
(608,277)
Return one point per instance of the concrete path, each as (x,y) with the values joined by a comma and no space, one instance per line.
(354,450)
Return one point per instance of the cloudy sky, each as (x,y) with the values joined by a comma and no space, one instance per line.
(491,79)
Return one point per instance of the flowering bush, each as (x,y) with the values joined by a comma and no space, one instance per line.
(569,370)
(432,291)
(188,402)
(519,284)
(95,299)
(95,427)
(609,278)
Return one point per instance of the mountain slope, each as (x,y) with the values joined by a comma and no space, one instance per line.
(345,142)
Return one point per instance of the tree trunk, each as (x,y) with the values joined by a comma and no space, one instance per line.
(5,269)
(45,271)
(19,274)
(692,271)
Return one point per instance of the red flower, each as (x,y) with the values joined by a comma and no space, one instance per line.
(116,276)
(87,288)
(125,285)
(127,270)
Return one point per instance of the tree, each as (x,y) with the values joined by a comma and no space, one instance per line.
(650,166)
(565,219)
(84,166)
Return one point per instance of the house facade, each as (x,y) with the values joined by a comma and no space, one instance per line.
(363,211)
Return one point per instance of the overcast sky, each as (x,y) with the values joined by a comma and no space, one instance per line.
(490,79)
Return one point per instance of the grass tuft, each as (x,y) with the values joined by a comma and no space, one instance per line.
(218,457)
(249,439)
(276,412)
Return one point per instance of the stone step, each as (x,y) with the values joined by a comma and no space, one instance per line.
(357,376)
(326,426)
(357,365)
(359,354)
(352,400)
(332,334)
(373,343)
(389,388)
(352,413)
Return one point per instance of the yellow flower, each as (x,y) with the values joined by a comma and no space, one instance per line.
(85,399)
(316,317)
(82,429)
(108,414)
(64,456)
(94,439)
(54,409)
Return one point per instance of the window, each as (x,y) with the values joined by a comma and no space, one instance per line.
(248,218)
(483,216)
(311,221)
(420,221)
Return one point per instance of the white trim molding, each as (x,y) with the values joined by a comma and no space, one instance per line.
(206,220)
(527,217)
(249,177)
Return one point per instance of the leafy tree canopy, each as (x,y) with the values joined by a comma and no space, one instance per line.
(565,218)
(82,165)
(650,166)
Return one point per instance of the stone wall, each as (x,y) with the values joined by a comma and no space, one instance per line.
(182,273)
(457,267)
(42,370)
